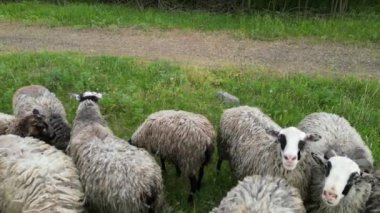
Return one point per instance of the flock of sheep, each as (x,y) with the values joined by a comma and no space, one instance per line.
(323,165)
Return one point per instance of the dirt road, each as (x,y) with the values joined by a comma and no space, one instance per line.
(206,49)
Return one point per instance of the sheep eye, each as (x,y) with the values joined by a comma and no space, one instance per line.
(301,144)
(282,140)
(328,168)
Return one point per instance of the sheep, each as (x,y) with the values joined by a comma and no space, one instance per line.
(339,186)
(254,144)
(117,176)
(261,194)
(36,97)
(36,177)
(183,138)
(337,134)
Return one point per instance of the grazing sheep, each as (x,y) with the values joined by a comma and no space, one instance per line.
(337,134)
(36,177)
(261,194)
(117,176)
(5,121)
(338,186)
(36,97)
(254,144)
(183,138)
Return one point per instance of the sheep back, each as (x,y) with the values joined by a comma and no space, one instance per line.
(237,122)
(184,138)
(35,177)
(338,135)
(117,177)
(261,194)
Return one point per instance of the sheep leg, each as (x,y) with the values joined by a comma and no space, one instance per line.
(200,176)
(151,200)
(178,171)
(163,164)
(193,188)
(219,164)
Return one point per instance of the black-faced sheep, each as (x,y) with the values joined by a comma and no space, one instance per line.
(117,177)
(338,186)
(183,138)
(261,194)
(36,177)
(35,97)
(337,134)
(254,144)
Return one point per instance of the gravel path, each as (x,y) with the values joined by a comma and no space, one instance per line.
(198,48)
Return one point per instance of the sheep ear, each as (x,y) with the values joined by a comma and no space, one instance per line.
(36,112)
(272,132)
(312,137)
(318,159)
(330,153)
(76,96)
(364,165)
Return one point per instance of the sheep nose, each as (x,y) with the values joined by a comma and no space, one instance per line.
(290,158)
(329,195)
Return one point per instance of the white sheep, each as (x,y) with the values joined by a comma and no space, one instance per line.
(338,186)
(117,177)
(338,135)
(183,138)
(32,98)
(254,144)
(262,194)
(36,177)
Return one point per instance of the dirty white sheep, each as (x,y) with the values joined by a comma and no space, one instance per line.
(338,135)
(183,138)
(117,177)
(36,177)
(254,144)
(338,186)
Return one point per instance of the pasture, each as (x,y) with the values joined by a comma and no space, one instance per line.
(135,88)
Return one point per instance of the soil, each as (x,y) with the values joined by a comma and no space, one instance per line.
(195,48)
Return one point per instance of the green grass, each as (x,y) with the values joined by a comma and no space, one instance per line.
(134,89)
(364,28)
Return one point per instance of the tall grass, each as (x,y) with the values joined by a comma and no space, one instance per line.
(364,28)
(134,89)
